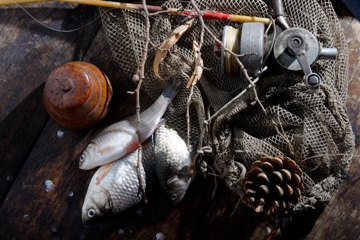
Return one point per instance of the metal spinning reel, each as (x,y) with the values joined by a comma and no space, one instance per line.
(295,49)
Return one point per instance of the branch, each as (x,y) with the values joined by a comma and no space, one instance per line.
(140,74)
(197,64)
(246,75)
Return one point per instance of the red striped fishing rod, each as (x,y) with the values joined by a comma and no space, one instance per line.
(206,15)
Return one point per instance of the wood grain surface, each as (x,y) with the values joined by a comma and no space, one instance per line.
(341,218)
(31,151)
(29,52)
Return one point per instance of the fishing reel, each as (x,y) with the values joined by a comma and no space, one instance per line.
(247,43)
(295,49)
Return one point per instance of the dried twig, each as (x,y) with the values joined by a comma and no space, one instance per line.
(141,77)
(231,101)
(198,64)
(188,116)
(197,61)
(168,43)
(212,35)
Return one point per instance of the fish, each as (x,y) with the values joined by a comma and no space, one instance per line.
(174,166)
(120,138)
(115,186)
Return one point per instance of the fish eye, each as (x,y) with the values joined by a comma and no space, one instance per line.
(82,157)
(174,197)
(91,213)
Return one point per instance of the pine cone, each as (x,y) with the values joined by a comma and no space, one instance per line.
(272,183)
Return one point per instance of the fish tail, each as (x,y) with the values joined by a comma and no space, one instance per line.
(171,88)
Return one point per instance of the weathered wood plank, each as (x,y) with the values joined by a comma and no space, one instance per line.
(28,196)
(228,218)
(29,51)
(19,132)
(340,219)
(52,159)
(57,215)
(54,214)
(351,28)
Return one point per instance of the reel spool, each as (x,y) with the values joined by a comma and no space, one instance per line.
(247,42)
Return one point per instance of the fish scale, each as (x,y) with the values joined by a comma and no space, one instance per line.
(126,175)
(115,187)
(121,138)
(173,163)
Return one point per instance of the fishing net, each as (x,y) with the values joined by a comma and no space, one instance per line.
(227,123)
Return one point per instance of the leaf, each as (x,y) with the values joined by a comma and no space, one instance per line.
(199,63)
(168,43)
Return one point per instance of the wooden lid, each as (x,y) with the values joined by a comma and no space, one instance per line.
(77,94)
(68,87)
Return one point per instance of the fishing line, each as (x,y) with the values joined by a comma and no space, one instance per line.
(232,43)
(312,20)
(55,29)
(272,24)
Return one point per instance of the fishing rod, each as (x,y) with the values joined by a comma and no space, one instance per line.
(206,15)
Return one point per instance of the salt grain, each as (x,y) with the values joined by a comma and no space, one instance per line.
(70,194)
(139,211)
(49,186)
(160,236)
(26,218)
(9,178)
(60,133)
(82,237)
(54,228)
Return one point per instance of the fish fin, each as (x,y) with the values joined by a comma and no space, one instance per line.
(171,88)
(107,149)
(102,173)
(161,122)
(131,147)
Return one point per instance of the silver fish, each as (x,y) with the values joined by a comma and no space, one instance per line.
(120,138)
(115,186)
(173,163)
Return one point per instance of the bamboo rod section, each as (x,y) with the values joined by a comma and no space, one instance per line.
(11,2)
(152,9)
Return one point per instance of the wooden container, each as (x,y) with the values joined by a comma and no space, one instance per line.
(77,94)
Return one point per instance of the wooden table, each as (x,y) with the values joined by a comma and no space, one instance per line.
(31,151)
